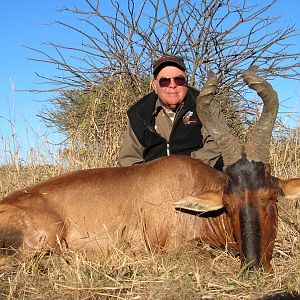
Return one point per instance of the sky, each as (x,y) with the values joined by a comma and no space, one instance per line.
(30,23)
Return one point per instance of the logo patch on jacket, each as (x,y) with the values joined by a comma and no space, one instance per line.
(187,118)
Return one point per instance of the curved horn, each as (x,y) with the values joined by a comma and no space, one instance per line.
(228,144)
(257,147)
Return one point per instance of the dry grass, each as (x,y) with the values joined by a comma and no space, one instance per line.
(194,273)
(285,154)
(190,273)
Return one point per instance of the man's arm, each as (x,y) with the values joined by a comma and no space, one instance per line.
(210,152)
(132,151)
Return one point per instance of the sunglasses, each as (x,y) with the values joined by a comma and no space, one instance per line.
(166,81)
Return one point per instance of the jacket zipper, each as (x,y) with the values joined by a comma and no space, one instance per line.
(173,126)
(154,131)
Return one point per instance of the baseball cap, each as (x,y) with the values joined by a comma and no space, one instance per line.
(168,60)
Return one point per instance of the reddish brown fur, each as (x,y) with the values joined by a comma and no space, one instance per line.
(91,209)
(264,202)
(251,200)
(95,209)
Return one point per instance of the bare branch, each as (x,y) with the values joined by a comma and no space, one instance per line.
(120,43)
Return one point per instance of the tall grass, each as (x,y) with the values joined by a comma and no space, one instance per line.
(188,273)
(285,154)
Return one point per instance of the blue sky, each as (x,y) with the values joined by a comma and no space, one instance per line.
(28,23)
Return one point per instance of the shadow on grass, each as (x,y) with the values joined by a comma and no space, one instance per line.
(282,296)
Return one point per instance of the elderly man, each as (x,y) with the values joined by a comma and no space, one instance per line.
(165,122)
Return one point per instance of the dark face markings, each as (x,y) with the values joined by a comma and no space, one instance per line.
(251,233)
(250,191)
(245,175)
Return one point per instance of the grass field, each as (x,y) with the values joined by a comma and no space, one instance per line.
(193,272)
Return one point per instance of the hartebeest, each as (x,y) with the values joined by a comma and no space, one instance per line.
(93,209)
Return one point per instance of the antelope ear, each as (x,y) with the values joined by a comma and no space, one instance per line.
(204,202)
(289,187)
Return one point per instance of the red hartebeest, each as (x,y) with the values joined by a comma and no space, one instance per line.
(95,208)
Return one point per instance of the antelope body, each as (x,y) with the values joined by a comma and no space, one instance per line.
(97,208)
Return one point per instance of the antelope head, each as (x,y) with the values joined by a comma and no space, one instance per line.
(250,193)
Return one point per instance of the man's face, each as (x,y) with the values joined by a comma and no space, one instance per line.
(173,94)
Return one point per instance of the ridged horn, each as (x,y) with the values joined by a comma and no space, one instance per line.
(257,147)
(228,144)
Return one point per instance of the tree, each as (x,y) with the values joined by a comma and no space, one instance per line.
(120,39)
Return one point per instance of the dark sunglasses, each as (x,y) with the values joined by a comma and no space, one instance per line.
(166,81)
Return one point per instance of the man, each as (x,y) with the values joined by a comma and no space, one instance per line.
(166,122)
